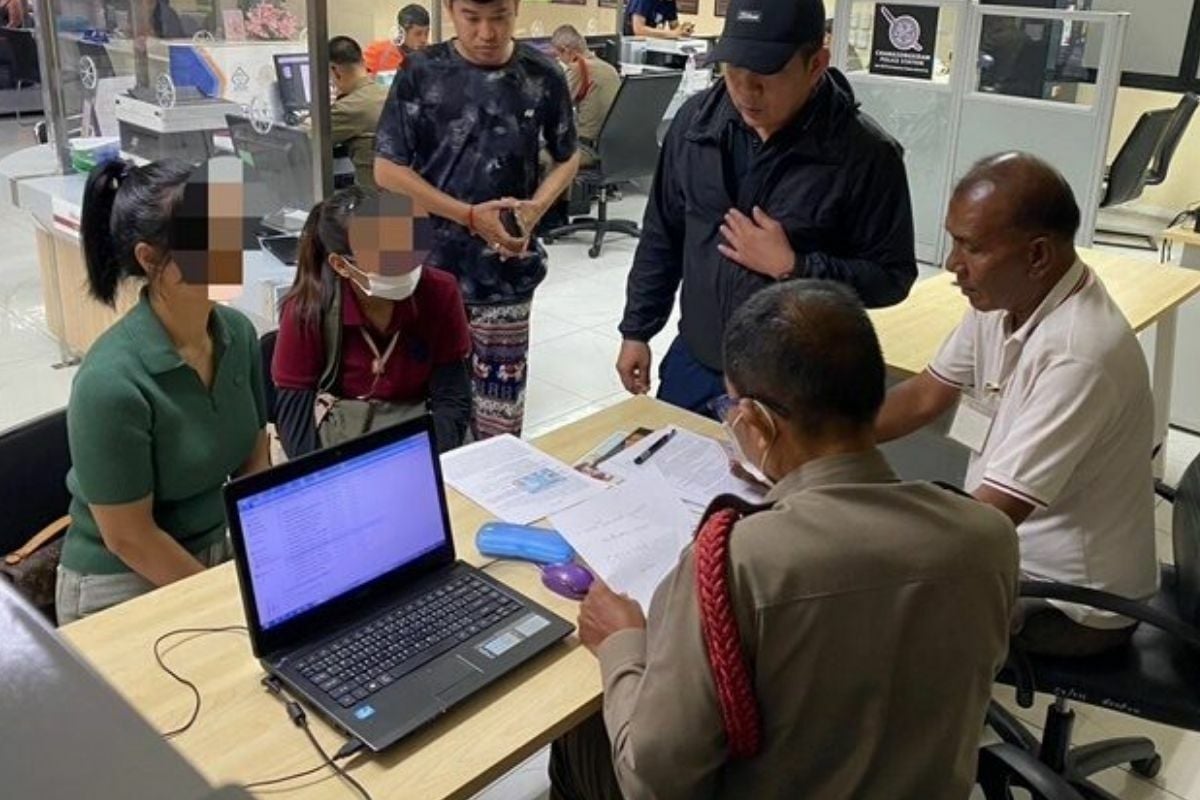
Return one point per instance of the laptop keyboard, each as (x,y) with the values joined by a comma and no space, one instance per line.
(368,659)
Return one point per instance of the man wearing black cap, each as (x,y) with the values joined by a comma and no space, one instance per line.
(771,175)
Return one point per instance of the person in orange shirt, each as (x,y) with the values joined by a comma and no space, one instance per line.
(388,55)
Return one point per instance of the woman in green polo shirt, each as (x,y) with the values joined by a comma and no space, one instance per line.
(167,404)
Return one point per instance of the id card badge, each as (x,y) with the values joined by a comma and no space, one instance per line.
(972,423)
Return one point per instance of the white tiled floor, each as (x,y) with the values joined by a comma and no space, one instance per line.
(575,344)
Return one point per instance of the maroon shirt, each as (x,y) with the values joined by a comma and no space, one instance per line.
(433,332)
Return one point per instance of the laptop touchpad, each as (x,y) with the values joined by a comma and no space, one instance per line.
(448,674)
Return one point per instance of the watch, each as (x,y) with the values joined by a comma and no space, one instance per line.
(790,273)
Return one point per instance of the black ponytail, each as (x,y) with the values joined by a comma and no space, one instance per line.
(124,206)
(326,232)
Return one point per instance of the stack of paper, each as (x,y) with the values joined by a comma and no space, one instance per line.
(696,467)
(631,537)
(516,481)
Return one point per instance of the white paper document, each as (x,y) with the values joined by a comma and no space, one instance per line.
(695,466)
(631,536)
(516,481)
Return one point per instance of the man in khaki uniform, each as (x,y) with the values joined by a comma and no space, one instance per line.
(593,84)
(355,112)
(857,624)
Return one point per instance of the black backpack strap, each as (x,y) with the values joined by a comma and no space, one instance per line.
(331,332)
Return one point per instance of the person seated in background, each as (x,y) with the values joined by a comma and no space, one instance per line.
(404,337)
(1054,400)
(593,85)
(12,13)
(826,634)
(354,114)
(389,55)
(647,18)
(167,405)
(165,21)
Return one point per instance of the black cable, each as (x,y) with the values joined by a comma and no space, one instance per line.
(296,714)
(158,656)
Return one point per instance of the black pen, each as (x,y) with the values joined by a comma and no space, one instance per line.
(654,448)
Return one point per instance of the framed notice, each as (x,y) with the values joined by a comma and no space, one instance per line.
(688,6)
(608,3)
(570,2)
(722,7)
(904,40)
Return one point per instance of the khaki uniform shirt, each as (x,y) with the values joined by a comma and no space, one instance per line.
(592,109)
(353,120)
(874,615)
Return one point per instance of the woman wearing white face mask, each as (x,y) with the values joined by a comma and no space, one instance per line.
(365,322)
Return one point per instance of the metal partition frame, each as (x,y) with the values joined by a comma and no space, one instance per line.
(963,93)
(930,236)
(1108,78)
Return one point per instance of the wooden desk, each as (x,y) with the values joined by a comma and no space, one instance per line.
(1147,293)
(243,734)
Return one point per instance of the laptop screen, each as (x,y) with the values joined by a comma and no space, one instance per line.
(326,533)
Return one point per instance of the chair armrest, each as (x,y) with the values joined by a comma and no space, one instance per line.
(1165,491)
(999,761)
(1103,601)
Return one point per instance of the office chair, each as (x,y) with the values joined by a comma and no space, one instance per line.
(1152,678)
(1003,767)
(1130,170)
(1180,118)
(627,150)
(34,461)
(24,71)
(266,346)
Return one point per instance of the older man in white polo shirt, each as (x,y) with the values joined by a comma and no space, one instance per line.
(1054,400)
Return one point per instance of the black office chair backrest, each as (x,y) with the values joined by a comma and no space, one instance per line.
(25,67)
(1180,117)
(628,144)
(34,461)
(1185,533)
(1130,169)
(266,346)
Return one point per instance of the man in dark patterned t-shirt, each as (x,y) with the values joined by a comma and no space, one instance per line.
(460,135)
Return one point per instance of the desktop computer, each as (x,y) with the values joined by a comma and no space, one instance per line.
(282,158)
(294,76)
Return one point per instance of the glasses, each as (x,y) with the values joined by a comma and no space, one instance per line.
(724,406)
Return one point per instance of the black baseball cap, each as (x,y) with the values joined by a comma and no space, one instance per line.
(763,35)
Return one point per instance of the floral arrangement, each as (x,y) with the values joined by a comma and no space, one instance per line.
(268,20)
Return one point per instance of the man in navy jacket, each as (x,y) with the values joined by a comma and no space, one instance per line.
(772,174)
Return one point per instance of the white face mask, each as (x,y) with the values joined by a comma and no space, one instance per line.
(739,454)
(388,287)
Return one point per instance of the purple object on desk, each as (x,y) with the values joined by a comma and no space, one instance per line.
(569,580)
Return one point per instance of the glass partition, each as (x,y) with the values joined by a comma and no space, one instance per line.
(190,79)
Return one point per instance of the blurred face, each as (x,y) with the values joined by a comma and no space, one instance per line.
(386,246)
(210,231)
(769,102)
(996,267)
(484,30)
(416,37)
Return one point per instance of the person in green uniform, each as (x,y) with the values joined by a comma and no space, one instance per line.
(167,405)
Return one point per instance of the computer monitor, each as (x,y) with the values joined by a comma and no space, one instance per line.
(282,157)
(293,73)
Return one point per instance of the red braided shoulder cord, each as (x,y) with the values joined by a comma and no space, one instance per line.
(735,692)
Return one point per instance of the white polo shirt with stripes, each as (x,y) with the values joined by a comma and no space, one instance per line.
(1072,434)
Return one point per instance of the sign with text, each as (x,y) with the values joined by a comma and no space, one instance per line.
(904,41)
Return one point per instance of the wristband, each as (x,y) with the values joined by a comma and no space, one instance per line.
(471,220)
